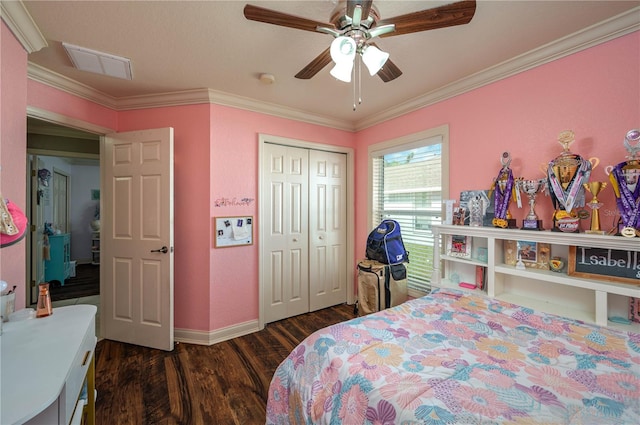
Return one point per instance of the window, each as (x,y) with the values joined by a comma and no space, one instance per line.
(409,179)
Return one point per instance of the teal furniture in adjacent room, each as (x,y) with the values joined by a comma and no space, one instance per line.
(58,267)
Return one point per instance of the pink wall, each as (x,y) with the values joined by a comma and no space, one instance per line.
(50,99)
(13,149)
(215,155)
(595,93)
(234,173)
(191,148)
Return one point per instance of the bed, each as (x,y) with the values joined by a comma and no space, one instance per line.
(459,358)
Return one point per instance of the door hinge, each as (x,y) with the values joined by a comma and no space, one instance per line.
(33,283)
(33,227)
(33,173)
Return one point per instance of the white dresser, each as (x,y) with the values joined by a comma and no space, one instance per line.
(44,363)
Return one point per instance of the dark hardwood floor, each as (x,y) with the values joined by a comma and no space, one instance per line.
(226,383)
(85,283)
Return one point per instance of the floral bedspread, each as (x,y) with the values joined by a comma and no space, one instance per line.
(456,358)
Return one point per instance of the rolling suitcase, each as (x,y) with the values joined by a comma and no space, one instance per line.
(380,286)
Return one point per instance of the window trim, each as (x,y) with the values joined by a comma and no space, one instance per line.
(407,142)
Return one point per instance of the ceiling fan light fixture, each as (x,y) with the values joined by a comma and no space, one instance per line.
(343,49)
(374,59)
(342,71)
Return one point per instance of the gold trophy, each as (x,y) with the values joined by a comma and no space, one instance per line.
(567,173)
(595,188)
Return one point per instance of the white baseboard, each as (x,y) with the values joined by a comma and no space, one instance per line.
(190,336)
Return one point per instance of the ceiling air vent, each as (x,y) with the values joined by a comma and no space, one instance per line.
(98,62)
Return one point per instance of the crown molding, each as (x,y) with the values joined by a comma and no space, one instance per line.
(64,120)
(607,30)
(197,96)
(278,111)
(604,31)
(17,18)
(179,98)
(53,79)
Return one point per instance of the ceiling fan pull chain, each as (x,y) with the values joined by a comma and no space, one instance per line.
(354,88)
(359,80)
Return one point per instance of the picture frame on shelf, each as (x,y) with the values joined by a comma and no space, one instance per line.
(459,246)
(487,205)
(534,255)
(510,252)
(482,254)
(527,251)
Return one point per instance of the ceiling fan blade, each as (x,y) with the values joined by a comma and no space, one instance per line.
(449,15)
(322,60)
(260,14)
(366,7)
(364,4)
(389,71)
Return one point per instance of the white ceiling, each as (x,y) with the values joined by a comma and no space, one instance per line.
(184,45)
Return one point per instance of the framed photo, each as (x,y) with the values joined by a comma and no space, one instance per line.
(482,254)
(459,246)
(233,231)
(510,253)
(487,205)
(533,255)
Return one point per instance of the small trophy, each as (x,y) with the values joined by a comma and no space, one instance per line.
(595,188)
(532,188)
(502,189)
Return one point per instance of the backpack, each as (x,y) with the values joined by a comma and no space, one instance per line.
(385,245)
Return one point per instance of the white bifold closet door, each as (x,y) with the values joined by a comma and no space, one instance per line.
(303,236)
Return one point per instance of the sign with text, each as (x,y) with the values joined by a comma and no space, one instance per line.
(605,264)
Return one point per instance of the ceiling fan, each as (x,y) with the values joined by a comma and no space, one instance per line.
(354,23)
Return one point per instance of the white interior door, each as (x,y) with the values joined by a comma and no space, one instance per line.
(327,229)
(284,241)
(303,230)
(137,238)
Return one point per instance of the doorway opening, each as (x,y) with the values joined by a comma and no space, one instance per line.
(63,204)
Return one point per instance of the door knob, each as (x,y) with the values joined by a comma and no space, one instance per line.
(163,250)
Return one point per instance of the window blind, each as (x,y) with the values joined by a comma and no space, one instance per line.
(407,187)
